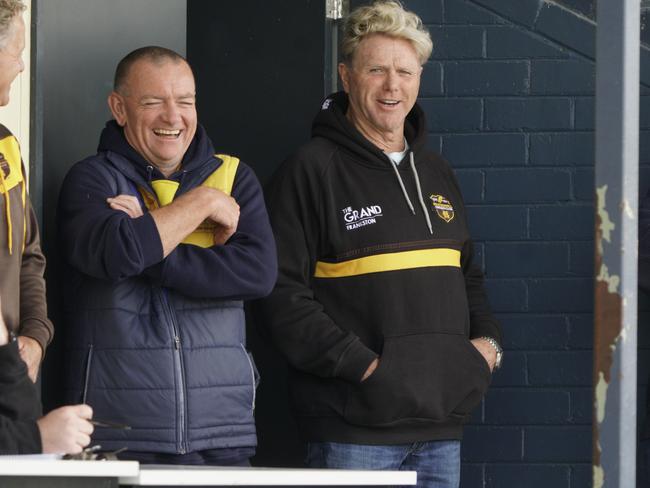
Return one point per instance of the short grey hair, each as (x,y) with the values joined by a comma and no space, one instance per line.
(154,54)
(8,10)
(390,19)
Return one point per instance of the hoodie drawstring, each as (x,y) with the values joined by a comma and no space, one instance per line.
(401,184)
(7,211)
(419,188)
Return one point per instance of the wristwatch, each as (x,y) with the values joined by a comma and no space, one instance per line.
(497,348)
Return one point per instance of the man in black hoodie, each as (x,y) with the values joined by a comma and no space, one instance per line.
(378,307)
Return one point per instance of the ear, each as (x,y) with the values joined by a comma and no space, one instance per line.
(117,106)
(344,73)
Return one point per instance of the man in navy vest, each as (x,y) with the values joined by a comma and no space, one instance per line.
(164,239)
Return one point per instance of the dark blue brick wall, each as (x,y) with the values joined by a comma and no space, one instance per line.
(487,78)
(528,114)
(570,148)
(453,114)
(536,476)
(511,42)
(509,94)
(534,185)
(578,77)
(485,149)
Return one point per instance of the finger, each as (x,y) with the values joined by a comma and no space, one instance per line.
(127,200)
(118,204)
(122,208)
(84,411)
(133,208)
(86,427)
(83,440)
(123,197)
(74,448)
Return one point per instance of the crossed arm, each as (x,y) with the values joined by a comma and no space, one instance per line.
(181,217)
(107,234)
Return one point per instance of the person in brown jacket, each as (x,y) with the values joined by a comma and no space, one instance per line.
(25,330)
(22,264)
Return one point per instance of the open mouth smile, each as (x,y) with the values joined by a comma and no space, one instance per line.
(389,102)
(167,133)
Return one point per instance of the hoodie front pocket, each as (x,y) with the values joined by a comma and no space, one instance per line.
(421,376)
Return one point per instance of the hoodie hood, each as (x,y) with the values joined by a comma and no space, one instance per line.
(331,123)
(195,162)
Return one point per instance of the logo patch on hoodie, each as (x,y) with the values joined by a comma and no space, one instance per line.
(443,207)
(353,219)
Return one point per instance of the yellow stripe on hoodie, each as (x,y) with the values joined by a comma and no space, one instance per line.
(393,261)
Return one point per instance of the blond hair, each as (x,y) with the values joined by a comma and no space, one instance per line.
(8,10)
(388,18)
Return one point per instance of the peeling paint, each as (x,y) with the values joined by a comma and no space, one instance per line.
(612,281)
(628,210)
(606,225)
(599,477)
(601,397)
(608,331)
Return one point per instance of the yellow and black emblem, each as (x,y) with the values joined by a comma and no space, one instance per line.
(443,207)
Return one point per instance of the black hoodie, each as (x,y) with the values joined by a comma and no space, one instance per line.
(363,273)
(19,405)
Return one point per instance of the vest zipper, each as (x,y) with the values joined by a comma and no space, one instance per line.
(253,379)
(179,368)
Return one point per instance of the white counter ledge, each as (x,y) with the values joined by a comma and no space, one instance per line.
(154,475)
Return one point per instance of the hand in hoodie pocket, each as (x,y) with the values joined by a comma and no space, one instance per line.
(432,377)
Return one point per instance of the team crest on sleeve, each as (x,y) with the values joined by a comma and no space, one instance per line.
(443,207)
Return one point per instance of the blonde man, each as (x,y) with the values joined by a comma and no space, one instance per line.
(378,307)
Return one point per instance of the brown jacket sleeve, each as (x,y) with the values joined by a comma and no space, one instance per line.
(33,307)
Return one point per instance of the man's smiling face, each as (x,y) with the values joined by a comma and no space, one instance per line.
(157,109)
(382,83)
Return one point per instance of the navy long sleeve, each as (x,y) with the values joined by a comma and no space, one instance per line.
(97,240)
(108,244)
(244,268)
